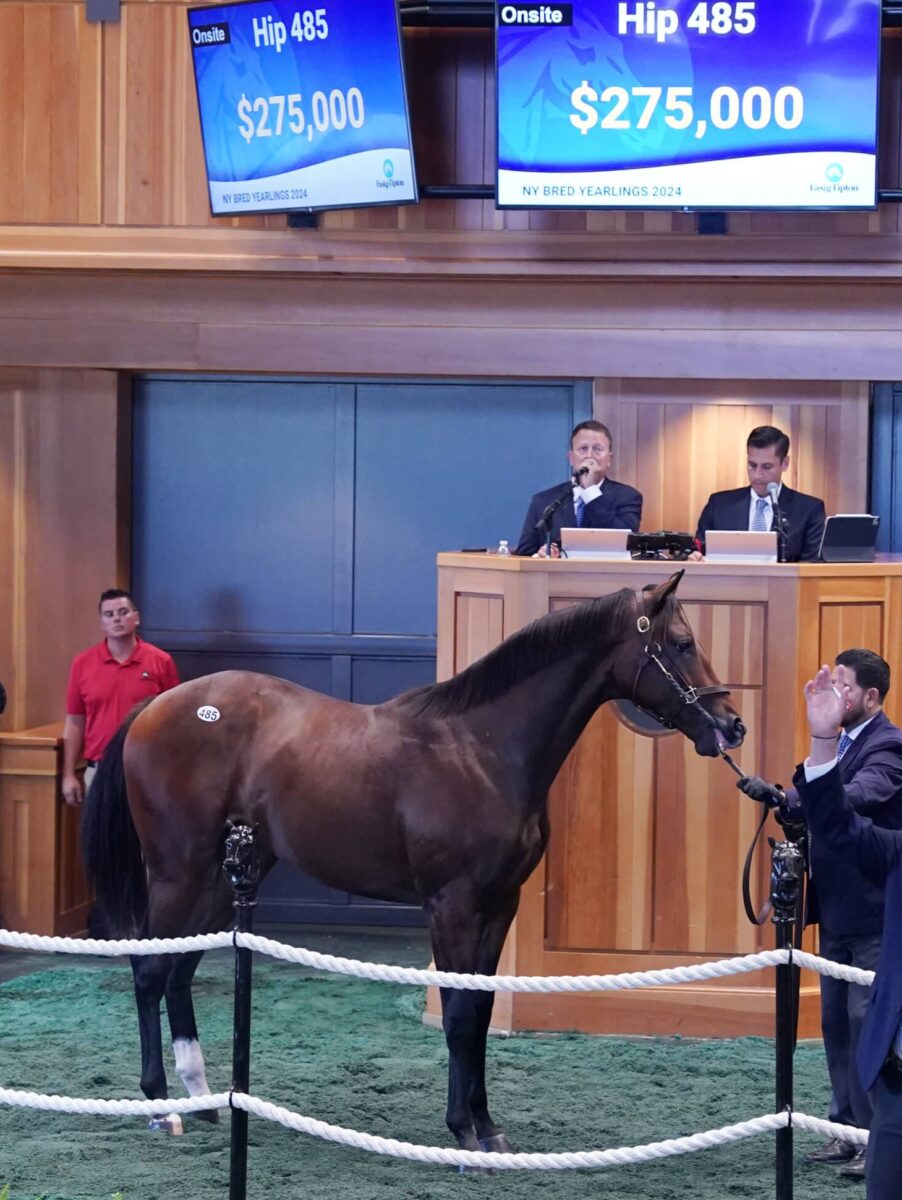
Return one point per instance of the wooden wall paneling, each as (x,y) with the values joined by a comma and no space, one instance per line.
(446,324)
(429,61)
(474,67)
(61,483)
(149,167)
(893,652)
(153,163)
(12,544)
(50,134)
(73,895)
(680,440)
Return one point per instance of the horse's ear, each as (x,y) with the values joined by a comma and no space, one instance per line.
(655,597)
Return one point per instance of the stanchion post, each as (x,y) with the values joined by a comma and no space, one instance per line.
(241,866)
(787,869)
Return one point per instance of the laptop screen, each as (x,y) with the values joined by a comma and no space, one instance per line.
(595,543)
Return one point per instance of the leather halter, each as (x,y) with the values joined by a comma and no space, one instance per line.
(687,694)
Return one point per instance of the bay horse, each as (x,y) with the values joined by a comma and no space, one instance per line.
(437,798)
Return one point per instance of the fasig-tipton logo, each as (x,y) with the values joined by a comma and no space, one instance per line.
(211,35)
(535,14)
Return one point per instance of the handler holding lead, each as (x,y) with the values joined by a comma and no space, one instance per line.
(877,852)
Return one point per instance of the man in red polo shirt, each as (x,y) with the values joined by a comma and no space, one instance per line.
(105,683)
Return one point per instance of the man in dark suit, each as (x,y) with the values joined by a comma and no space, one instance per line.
(752,508)
(836,823)
(845,903)
(591,498)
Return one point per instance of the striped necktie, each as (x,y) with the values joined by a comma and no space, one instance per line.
(759,525)
(844,743)
(578,507)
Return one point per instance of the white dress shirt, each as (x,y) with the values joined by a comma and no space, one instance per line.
(587,494)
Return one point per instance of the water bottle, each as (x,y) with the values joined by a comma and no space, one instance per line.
(504,550)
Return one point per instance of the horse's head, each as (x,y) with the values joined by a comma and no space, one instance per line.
(673,679)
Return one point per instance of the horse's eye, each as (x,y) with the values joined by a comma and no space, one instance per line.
(685,647)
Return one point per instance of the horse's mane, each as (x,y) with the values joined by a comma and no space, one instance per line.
(546,640)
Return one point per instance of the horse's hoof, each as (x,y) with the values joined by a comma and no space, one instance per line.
(468,1141)
(210,1115)
(172,1123)
(497,1144)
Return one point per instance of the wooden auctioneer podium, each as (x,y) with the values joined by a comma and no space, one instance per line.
(648,839)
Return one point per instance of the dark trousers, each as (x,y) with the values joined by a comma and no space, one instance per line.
(884,1161)
(843,1008)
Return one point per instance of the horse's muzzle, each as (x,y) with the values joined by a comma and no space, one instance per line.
(732,736)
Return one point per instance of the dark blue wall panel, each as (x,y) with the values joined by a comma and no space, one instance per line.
(315,673)
(376,679)
(234,502)
(443,466)
(886,464)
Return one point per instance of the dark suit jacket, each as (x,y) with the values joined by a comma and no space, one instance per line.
(877,854)
(843,900)
(618,507)
(804,516)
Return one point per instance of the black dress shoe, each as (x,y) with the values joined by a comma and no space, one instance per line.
(835,1151)
(854,1168)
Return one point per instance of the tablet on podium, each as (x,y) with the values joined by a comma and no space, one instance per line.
(849,537)
(607,544)
(740,546)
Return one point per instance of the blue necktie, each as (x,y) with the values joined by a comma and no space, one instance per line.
(578,507)
(759,524)
(844,743)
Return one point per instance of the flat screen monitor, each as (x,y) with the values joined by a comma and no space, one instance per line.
(743,104)
(302,107)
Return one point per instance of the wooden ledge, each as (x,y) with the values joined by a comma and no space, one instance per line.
(42,735)
(487,254)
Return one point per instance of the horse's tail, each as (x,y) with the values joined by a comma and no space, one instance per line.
(111,850)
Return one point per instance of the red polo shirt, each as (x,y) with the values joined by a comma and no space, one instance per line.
(103,691)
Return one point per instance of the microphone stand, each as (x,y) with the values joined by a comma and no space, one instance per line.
(543,525)
(782,527)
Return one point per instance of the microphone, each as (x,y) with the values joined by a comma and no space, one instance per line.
(779,525)
(579,472)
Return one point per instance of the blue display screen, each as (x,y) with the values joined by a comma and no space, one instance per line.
(301,106)
(682,104)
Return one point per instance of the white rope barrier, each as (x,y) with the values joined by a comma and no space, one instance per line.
(14,1098)
(383,973)
(391,1147)
(830,1129)
(823,966)
(512,983)
(410,975)
(118,948)
(620,1156)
